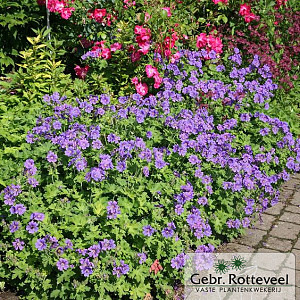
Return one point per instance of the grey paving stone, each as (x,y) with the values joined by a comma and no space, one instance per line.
(276,209)
(293,208)
(267,222)
(278,244)
(285,230)
(297,293)
(298,280)
(297,245)
(296,199)
(285,193)
(266,250)
(290,217)
(252,237)
(297,254)
(234,247)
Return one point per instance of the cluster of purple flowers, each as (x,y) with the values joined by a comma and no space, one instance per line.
(30,171)
(189,135)
(179,261)
(121,269)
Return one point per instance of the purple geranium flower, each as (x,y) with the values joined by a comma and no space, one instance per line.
(51,157)
(148,230)
(142,257)
(32,227)
(41,244)
(62,264)
(14,226)
(18,244)
(122,269)
(112,209)
(178,262)
(18,209)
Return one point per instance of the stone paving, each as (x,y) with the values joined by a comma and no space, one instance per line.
(278,231)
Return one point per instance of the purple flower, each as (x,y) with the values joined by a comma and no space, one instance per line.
(96,144)
(94,251)
(104,99)
(112,209)
(148,230)
(122,269)
(14,226)
(149,134)
(56,125)
(193,159)
(121,166)
(29,163)
(142,257)
(69,244)
(179,209)
(178,262)
(80,164)
(18,209)
(245,222)
(32,181)
(18,244)
(97,174)
(264,131)
(107,244)
(159,164)
(37,216)
(62,264)
(32,227)
(202,201)
(146,171)
(167,232)
(41,244)
(51,157)
(86,267)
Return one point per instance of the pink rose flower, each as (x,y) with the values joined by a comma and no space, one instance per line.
(106,54)
(201,40)
(116,46)
(168,10)
(81,72)
(134,80)
(66,12)
(141,88)
(245,9)
(150,71)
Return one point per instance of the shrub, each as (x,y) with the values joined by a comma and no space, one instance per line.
(118,190)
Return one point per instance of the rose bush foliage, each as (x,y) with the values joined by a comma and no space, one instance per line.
(118,189)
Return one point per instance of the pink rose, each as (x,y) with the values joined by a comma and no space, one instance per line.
(201,40)
(81,71)
(99,14)
(250,17)
(135,56)
(116,46)
(223,1)
(144,48)
(138,29)
(134,80)
(215,43)
(158,80)
(150,71)
(66,13)
(168,10)
(106,54)
(141,88)
(245,9)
